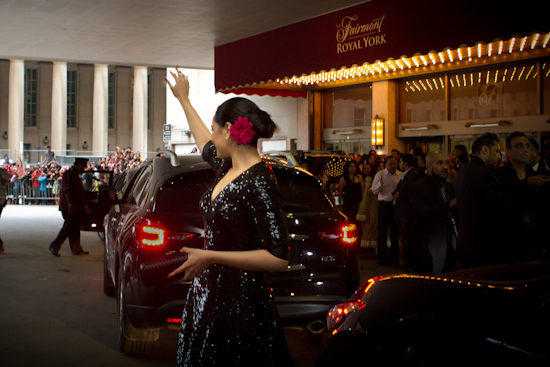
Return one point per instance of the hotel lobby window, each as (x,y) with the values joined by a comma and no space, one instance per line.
(502,91)
(422,99)
(111,100)
(348,107)
(71,98)
(31,93)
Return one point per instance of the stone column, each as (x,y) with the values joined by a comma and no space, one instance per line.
(139,137)
(16,111)
(59,108)
(384,104)
(100,110)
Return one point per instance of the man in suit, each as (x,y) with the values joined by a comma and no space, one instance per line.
(482,206)
(523,188)
(543,167)
(543,217)
(403,195)
(73,206)
(432,204)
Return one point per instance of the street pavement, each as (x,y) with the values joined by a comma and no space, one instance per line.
(53,311)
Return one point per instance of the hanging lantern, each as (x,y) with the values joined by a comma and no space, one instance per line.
(377,129)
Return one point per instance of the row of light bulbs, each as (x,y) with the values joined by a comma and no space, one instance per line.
(432,58)
(469,79)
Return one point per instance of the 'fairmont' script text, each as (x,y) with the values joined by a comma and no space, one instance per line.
(351,36)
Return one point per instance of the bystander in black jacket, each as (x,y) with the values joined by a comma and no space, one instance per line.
(482,210)
(543,217)
(434,226)
(524,206)
(405,215)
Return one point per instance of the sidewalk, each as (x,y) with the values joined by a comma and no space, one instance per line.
(368,267)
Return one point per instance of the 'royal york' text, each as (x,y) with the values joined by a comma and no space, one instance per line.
(351,36)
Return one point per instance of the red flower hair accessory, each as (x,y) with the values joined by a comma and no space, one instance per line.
(241,131)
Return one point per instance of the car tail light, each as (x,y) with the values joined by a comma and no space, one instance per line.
(349,234)
(341,311)
(173,320)
(153,235)
(150,235)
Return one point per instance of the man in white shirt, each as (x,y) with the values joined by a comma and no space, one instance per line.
(384,185)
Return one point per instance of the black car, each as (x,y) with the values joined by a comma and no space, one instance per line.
(489,316)
(157,212)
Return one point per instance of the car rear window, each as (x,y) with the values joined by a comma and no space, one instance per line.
(333,166)
(301,192)
(181,194)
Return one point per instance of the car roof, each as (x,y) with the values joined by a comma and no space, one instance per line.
(164,168)
(504,273)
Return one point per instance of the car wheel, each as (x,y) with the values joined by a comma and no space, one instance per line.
(132,341)
(108,286)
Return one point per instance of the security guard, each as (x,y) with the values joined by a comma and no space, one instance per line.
(72,206)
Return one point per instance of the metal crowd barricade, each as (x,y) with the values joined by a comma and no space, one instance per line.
(27,194)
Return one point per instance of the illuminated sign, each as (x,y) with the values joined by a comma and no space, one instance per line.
(352,35)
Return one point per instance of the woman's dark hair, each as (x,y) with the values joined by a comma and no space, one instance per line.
(346,171)
(236,107)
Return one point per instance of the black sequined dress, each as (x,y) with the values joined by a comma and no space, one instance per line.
(230,318)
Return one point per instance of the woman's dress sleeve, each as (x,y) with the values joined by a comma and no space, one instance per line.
(268,216)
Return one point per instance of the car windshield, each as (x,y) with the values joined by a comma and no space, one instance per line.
(301,192)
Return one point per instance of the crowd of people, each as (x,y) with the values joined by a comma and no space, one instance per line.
(40,183)
(445,212)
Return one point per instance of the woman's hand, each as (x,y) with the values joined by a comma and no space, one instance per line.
(180,89)
(197,261)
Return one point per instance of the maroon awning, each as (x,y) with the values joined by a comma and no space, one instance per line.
(375,30)
(267,92)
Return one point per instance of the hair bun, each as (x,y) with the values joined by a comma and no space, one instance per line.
(236,107)
(263,124)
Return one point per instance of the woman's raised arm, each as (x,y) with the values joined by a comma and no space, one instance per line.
(180,89)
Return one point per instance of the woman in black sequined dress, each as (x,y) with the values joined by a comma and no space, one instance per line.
(230,318)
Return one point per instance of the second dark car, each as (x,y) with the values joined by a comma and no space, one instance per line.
(490,316)
(157,212)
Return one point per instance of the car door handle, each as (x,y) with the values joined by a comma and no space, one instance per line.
(295,267)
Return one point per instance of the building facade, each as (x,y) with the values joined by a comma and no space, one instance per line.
(78,108)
